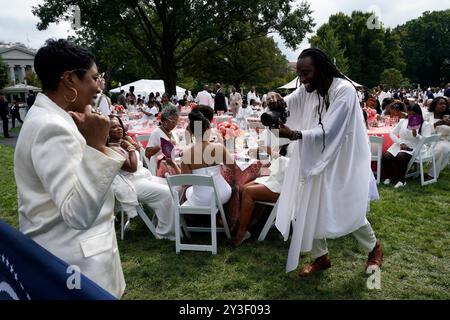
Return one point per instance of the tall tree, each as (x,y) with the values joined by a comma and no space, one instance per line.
(166,32)
(4,79)
(426,45)
(330,44)
(253,62)
(370,50)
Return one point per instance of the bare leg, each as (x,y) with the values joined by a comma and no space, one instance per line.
(250,194)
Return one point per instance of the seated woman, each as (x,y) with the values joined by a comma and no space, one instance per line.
(396,159)
(208,112)
(152,191)
(265,189)
(169,120)
(204,157)
(440,108)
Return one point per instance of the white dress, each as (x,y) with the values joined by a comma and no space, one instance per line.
(274,182)
(153,141)
(441,150)
(201,196)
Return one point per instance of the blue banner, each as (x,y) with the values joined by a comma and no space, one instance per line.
(29,272)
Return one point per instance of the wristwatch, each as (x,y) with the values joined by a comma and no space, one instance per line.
(296,135)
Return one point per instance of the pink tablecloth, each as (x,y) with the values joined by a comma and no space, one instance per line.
(134,133)
(237,180)
(382,132)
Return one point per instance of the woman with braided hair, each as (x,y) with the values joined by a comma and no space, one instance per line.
(326,189)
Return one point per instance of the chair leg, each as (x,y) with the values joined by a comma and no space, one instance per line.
(122,227)
(146,220)
(269,224)
(213,233)
(177,231)
(225,224)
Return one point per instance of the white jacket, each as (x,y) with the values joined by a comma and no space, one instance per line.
(64,194)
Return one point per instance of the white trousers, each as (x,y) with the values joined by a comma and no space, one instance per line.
(364,235)
(441,155)
(158,197)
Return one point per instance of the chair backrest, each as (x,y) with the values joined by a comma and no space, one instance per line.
(193,180)
(143,137)
(430,142)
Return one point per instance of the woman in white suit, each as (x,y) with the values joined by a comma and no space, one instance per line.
(64,170)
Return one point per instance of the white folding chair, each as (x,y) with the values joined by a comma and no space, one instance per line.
(144,159)
(187,208)
(140,211)
(378,142)
(270,222)
(419,157)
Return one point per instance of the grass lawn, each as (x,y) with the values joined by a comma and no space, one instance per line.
(412,223)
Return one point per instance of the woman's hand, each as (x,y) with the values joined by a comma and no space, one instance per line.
(414,132)
(93,127)
(404,147)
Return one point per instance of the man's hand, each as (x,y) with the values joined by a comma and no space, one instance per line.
(93,126)
(284,131)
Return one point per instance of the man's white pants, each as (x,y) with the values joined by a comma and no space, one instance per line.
(364,235)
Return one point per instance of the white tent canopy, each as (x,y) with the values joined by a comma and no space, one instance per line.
(145,86)
(294,84)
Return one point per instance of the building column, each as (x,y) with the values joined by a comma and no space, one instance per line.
(22,69)
(12,74)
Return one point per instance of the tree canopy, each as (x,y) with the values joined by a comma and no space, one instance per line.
(370,50)
(253,62)
(167,32)
(426,46)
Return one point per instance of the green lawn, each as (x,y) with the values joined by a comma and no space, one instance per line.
(412,223)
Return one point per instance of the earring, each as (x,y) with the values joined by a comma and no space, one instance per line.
(75,98)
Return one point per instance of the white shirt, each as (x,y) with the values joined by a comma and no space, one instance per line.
(250,96)
(325,191)
(103,103)
(64,194)
(205,98)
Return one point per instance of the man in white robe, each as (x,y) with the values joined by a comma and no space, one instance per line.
(326,189)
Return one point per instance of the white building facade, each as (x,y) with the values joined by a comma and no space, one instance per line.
(19,59)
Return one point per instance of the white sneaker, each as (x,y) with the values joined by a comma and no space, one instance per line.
(399,185)
(387,181)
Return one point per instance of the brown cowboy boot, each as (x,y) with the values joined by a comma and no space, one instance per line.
(321,263)
(375,256)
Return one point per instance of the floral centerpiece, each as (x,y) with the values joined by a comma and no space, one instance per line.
(371,115)
(118,108)
(228,130)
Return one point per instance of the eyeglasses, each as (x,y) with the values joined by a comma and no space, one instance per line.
(172,121)
(99,77)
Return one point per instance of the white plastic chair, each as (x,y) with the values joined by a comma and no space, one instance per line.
(140,211)
(420,157)
(187,208)
(144,159)
(270,222)
(378,141)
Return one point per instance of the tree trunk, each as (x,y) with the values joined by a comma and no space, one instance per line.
(168,68)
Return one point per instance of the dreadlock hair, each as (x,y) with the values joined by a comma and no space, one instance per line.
(326,70)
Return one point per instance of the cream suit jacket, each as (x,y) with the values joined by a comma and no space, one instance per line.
(64,191)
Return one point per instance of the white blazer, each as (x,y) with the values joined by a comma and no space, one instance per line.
(64,194)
